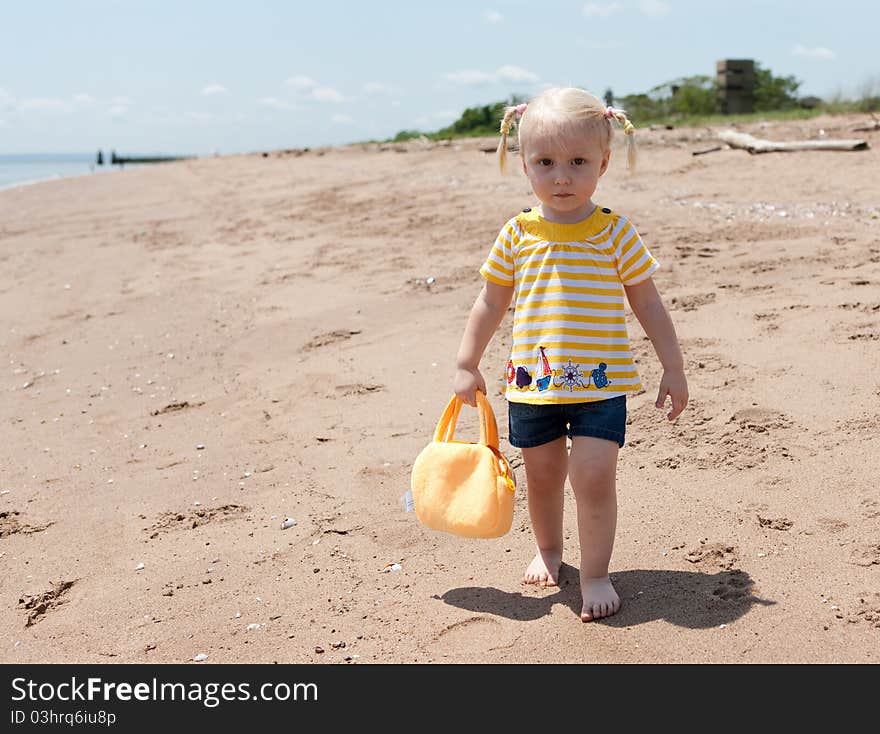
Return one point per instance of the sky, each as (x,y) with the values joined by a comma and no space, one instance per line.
(196,77)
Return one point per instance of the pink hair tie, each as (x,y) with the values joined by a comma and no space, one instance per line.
(609,112)
(520,108)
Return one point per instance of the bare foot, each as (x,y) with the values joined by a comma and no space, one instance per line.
(600,598)
(544,568)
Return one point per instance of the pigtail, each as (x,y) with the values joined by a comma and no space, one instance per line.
(629,131)
(511,116)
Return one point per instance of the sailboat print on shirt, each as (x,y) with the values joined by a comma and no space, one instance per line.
(543,369)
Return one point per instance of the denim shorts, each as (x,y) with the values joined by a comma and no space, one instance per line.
(533,425)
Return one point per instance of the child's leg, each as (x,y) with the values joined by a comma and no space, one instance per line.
(592,472)
(546,466)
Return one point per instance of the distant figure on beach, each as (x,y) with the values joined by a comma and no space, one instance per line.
(100,160)
(609,97)
(570,262)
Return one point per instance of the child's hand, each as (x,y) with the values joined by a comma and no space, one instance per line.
(674,384)
(466,383)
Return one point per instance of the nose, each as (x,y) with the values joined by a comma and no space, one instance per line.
(562,177)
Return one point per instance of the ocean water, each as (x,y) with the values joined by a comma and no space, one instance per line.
(17,169)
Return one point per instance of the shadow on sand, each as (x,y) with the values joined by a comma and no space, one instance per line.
(683,598)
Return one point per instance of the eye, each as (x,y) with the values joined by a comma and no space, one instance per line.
(579,161)
(545,162)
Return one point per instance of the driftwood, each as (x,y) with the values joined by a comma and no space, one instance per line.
(707,150)
(874,126)
(756,145)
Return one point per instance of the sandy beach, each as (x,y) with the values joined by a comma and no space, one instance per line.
(196,351)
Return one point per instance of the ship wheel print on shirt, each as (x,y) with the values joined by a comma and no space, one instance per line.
(572,377)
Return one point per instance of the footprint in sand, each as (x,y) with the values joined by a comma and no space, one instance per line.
(41,604)
(759,420)
(733,586)
(476,635)
(330,337)
(781,523)
(766,316)
(684,251)
(157,239)
(669,462)
(168,521)
(11,525)
(831,525)
(867,554)
(357,389)
(692,303)
(713,554)
(751,442)
(174,407)
(866,609)
(859,306)
(871,507)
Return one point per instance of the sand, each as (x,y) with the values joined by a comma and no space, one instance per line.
(195,352)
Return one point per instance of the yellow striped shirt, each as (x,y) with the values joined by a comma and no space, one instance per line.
(569,332)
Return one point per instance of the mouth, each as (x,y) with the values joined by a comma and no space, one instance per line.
(563,196)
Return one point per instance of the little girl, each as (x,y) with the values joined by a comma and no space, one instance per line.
(569,263)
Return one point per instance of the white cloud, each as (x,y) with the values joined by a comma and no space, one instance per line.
(516,74)
(469,76)
(816,52)
(44,104)
(376,88)
(327,94)
(597,10)
(506,73)
(654,8)
(275,103)
(84,99)
(118,110)
(493,17)
(341,119)
(214,89)
(301,83)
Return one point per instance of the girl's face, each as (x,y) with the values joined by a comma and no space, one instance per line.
(564,171)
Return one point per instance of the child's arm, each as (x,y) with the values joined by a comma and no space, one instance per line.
(486,315)
(655,320)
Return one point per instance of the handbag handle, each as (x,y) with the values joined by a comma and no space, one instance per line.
(488,427)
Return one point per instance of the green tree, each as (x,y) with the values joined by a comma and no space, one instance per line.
(477,120)
(774,92)
(691,95)
(694,95)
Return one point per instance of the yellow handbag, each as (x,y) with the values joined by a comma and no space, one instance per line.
(464,488)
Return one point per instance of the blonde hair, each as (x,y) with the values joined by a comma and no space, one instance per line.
(571,108)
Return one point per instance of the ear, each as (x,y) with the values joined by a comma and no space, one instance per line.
(605,159)
(523,159)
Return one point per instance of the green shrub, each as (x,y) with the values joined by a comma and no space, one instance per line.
(774,93)
(405,135)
